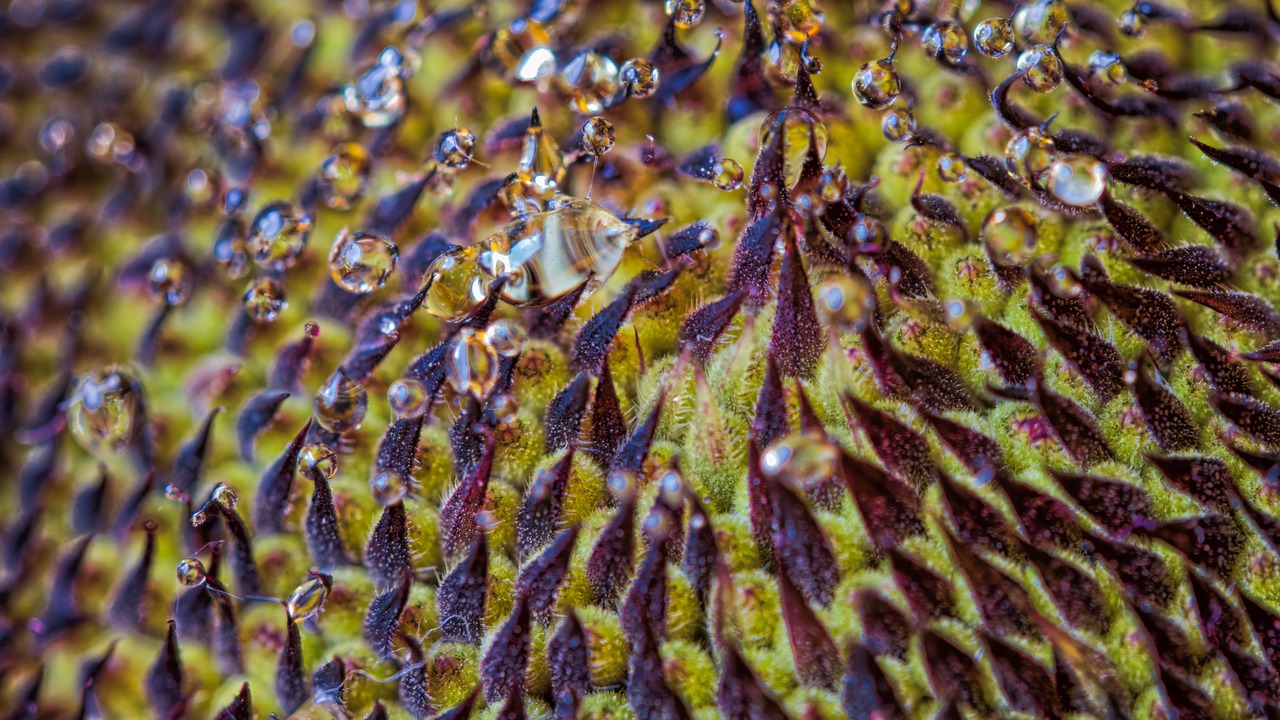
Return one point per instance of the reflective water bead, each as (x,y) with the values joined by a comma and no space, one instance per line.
(876,84)
(782,61)
(104,408)
(344,176)
(509,44)
(798,20)
(1108,67)
(728,174)
(867,230)
(307,599)
(278,235)
(993,37)
(457,284)
(408,399)
(507,337)
(833,185)
(1040,22)
(388,487)
(1010,235)
(639,76)
(961,314)
(504,406)
(318,460)
(169,280)
(951,168)
(377,97)
(454,147)
(340,405)
(360,262)
(1132,24)
(541,168)
(1077,180)
(191,572)
(898,125)
(471,366)
(265,300)
(589,79)
(847,302)
(1029,154)
(598,136)
(805,458)
(537,66)
(224,496)
(945,41)
(686,13)
(1043,68)
(801,130)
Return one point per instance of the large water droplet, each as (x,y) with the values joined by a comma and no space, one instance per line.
(360,262)
(801,130)
(1077,180)
(317,460)
(344,175)
(278,235)
(265,300)
(340,405)
(408,399)
(1010,235)
(104,408)
(993,37)
(805,458)
(876,84)
(377,97)
(388,487)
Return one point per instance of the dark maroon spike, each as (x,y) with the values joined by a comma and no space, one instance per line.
(1167,418)
(938,209)
(1013,116)
(428,368)
(631,456)
(460,599)
(1267,353)
(258,412)
(1067,310)
(567,658)
(188,464)
(462,711)
(977,522)
(417,259)
(324,540)
(816,657)
(645,603)
(1075,593)
(1208,480)
(753,257)
(815,244)
(1260,462)
(565,412)
(132,505)
(647,689)
(543,505)
(596,335)
(801,548)
(458,523)
(889,508)
(740,695)
(929,595)
(1222,625)
(933,386)
(164,679)
(700,549)
(1151,314)
(759,504)
(127,606)
(292,360)
(1185,700)
(953,674)
(1248,310)
(545,323)
(276,485)
(1027,685)
(1159,173)
(865,691)
(613,556)
(1074,427)
(1230,119)
(980,454)
(1267,626)
(1171,646)
(1213,542)
(1095,359)
(608,428)
(1225,373)
(1045,520)
(1013,356)
(772,417)
(513,708)
(88,511)
(1074,141)
(1251,163)
(885,630)
(901,449)
(379,712)
(1260,681)
(398,448)
(327,683)
(248,581)
(750,90)
(1230,225)
(382,619)
(914,279)
(240,707)
(291,678)
(653,284)
(797,341)
(393,209)
(225,640)
(700,165)
(386,556)
(703,326)
(539,580)
(994,172)
(193,607)
(1145,577)
(368,353)
(1132,226)
(1251,415)
(1005,606)
(503,665)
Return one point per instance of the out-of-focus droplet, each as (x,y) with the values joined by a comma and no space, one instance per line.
(961,314)
(507,337)
(504,406)
(847,302)
(797,20)
(946,42)
(471,366)
(589,79)
(458,286)
(639,77)
(541,168)
(278,235)
(1010,235)
(805,458)
(265,300)
(408,399)
(1043,68)
(509,45)
(1029,154)
(1108,67)
(224,496)
(231,254)
(598,136)
(686,13)
(993,37)
(833,185)
(537,67)
(1077,180)
(169,280)
(1041,21)
(801,130)
(728,174)
(360,262)
(388,487)
(782,61)
(344,176)
(1132,23)
(867,230)
(104,408)
(340,405)
(191,572)
(307,599)
(318,460)
(377,97)
(454,147)
(951,168)
(876,84)
(898,125)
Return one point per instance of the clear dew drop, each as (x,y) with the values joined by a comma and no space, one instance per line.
(961,314)
(408,399)
(1043,68)
(278,235)
(876,84)
(170,281)
(224,496)
(507,337)
(360,262)
(1132,24)
(1029,154)
(377,97)
(541,168)
(686,13)
(847,302)
(639,77)
(340,405)
(867,230)
(317,460)
(457,284)
(800,130)
(510,44)
(1077,180)
(454,147)
(388,487)
(1010,235)
(993,37)
(104,408)
(504,407)
(898,125)
(833,185)
(472,365)
(344,176)
(307,599)
(952,168)
(782,61)
(728,174)
(1041,21)
(946,42)
(1108,67)
(265,300)
(805,458)
(598,136)
(191,572)
(797,20)
(589,79)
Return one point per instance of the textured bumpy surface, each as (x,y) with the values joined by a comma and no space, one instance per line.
(334,382)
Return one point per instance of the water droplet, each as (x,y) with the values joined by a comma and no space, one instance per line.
(805,458)
(340,405)
(589,79)
(457,284)
(507,337)
(640,77)
(1044,69)
(782,61)
(961,314)
(408,399)
(686,13)
(471,366)
(388,487)
(510,44)
(1029,154)
(598,136)
(898,125)
(360,262)
(344,176)
(265,300)
(951,168)
(541,168)
(1040,22)
(504,406)
(800,130)
(946,42)
(278,235)
(833,185)
(1132,24)
(728,174)
(993,37)
(867,230)
(1010,235)
(104,408)
(377,97)
(169,280)
(1077,180)
(454,147)
(224,496)
(318,460)
(307,599)
(199,517)
(1108,67)
(797,20)
(191,572)
(847,302)
(537,67)
(876,84)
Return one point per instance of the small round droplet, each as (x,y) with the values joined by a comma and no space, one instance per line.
(728,174)
(504,406)
(993,37)
(1108,67)
(224,496)
(686,13)
(797,20)
(408,399)
(782,62)
(471,366)
(360,262)
(340,405)
(598,136)
(454,147)
(951,168)
(868,230)
(199,517)
(961,314)
(1010,235)
(318,460)
(265,300)
(377,97)
(278,235)
(1077,180)
(847,302)
(458,285)
(388,487)
(833,185)
(169,280)
(307,599)
(1043,68)
(876,84)
(639,77)
(104,408)
(507,337)
(589,79)
(801,131)
(1040,22)
(898,125)
(805,458)
(344,176)
(191,572)
(946,42)
(1029,154)
(1132,23)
